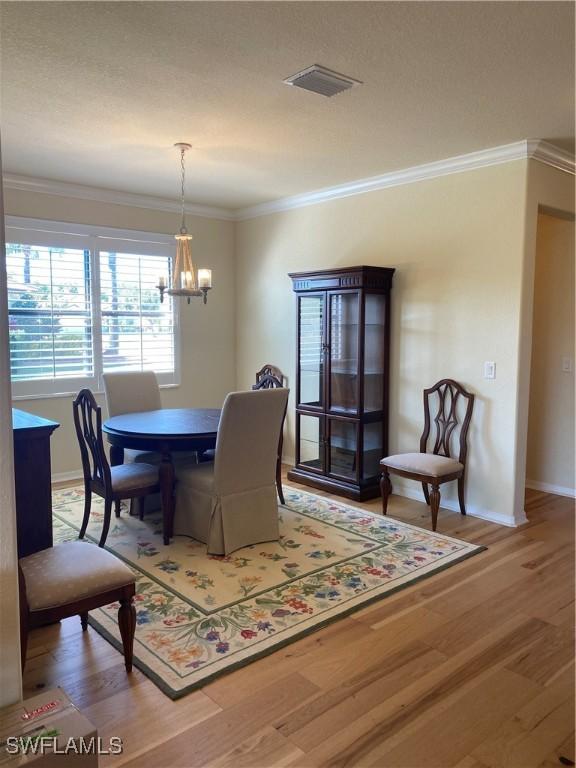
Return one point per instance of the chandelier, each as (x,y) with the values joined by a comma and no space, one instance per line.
(184,280)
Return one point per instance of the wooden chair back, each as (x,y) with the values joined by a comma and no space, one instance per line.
(88,424)
(446,419)
(269,377)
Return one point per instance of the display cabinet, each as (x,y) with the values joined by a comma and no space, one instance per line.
(342,368)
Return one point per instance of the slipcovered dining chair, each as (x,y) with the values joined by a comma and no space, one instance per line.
(125,481)
(71,579)
(436,467)
(271,377)
(132,392)
(231,503)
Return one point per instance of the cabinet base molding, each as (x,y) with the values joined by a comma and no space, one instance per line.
(332,485)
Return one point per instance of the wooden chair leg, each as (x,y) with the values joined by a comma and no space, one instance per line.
(385,489)
(141,507)
(279,482)
(127,626)
(117,504)
(84,621)
(434,504)
(461,495)
(106,526)
(426,494)
(87,506)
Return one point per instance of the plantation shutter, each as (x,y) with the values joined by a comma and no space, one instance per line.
(137,328)
(50,312)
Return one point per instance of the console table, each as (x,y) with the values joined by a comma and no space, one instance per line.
(32,479)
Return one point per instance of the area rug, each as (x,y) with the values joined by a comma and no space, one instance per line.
(199,616)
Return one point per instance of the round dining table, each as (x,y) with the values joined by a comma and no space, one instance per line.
(163,431)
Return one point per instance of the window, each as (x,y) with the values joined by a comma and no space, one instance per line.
(85,302)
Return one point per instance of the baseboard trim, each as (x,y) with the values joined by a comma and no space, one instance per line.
(558,490)
(453,506)
(64,477)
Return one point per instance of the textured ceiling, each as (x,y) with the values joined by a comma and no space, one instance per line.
(96,93)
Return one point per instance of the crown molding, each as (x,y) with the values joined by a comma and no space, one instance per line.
(521,150)
(550,155)
(529,149)
(66,189)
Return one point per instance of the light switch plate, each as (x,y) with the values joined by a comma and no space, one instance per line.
(489,369)
(566,365)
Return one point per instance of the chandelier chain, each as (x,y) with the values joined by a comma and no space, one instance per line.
(182,179)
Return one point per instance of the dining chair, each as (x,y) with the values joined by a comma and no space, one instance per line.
(132,392)
(271,377)
(231,503)
(125,481)
(436,467)
(70,579)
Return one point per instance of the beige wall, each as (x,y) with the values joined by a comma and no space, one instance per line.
(457,243)
(551,418)
(207,332)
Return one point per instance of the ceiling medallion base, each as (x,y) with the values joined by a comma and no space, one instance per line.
(183,146)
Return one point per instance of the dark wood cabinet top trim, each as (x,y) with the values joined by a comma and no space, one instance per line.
(25,423)
(375,278)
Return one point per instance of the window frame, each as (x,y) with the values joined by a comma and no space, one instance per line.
(38,232)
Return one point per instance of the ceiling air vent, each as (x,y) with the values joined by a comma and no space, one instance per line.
(320,80)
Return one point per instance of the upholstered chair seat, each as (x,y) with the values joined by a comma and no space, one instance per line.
(72,579)
(126,477)
(232,503)
(70,572)
(423,463)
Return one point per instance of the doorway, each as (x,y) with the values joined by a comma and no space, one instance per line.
(550,464)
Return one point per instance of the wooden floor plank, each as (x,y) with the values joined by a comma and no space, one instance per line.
(404,712)
(445,739)
(267,747)
(526,739)
(224,731)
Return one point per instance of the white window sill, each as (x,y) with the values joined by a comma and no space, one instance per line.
(50,396)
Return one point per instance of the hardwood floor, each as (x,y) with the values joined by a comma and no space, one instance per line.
(472,668)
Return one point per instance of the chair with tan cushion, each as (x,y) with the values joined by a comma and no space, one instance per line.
(438,466)
(74,578)
(125,481)
(232,503)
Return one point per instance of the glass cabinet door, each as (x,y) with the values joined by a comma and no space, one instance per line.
(342,449)
(374,340)
(311,350)
(372,450)
(343,327)
(310,445)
